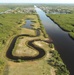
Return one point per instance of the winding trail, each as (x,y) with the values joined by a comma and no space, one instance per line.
(30,43)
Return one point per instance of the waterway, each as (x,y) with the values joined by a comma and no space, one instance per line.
(63,43)
(28,24)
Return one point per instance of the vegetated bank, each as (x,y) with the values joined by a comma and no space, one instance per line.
(65,21)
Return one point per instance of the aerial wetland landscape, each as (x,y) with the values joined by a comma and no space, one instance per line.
(36,39)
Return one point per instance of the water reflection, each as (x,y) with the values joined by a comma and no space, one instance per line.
(63,43)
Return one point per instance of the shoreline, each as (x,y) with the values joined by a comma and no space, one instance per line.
(61,27)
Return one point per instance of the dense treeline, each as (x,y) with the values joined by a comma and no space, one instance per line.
(9,26)
(65,21)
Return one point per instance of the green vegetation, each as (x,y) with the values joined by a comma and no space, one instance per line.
(57,63)
(51,45)
(2,64)
(71,34)
(65,21)
(3,8)
(21,48)
(9,25)
(42,28)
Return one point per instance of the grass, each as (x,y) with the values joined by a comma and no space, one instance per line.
(2,64)
(65,21)
(42,28)
(35,67)
(29,68)
(8,28)
(56,62)
(21,48)
(11,24)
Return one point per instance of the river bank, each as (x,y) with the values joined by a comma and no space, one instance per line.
(46,23)
(33,66)
(65,22)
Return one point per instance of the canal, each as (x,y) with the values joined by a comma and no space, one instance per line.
(63,43)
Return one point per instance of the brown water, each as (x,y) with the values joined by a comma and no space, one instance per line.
(63,43)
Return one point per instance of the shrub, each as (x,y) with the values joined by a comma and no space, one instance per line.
(56,62)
